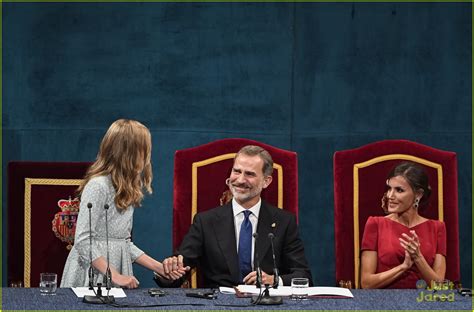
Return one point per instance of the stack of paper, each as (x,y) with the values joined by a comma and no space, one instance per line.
(85,291)
(285,291)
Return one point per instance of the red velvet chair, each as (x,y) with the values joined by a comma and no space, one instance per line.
(41,218)
(199,182)
(359,184)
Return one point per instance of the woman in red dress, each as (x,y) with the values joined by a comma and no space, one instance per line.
(403,247)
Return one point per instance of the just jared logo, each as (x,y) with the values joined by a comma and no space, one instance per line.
(437,291)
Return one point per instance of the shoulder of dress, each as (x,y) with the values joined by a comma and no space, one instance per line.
(100,184)
(104,181)
(375,218)
(378,220)
(101,179)
(437,223)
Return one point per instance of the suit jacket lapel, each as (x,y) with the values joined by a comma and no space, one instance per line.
(225,234)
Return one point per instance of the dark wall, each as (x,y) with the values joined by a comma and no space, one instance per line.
(310,77)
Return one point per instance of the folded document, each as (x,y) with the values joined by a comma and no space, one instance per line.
(85,291)
(285,291)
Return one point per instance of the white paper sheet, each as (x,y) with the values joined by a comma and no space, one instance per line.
(286,291)
(226,290)
(330,291)
(85,291)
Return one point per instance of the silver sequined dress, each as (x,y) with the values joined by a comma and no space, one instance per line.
(122,252)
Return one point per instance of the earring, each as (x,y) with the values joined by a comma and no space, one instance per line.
(416,203)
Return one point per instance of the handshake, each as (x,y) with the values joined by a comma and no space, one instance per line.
(173,268)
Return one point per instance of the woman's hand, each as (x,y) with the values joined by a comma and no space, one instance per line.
(407,262)
(429,273)
(178,273)
(411,245)
(125,281)
(174,268)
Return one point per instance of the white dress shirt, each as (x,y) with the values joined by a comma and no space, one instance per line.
(239,218)
(253,217)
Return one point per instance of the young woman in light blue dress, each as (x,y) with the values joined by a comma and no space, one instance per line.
(117,179)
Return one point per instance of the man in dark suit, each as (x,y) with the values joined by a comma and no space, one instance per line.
(220,240)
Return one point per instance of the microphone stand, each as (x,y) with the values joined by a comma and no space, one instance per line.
(91,269)
(276,276)
(97,298)
(265,298)
(258,283)
(108,273)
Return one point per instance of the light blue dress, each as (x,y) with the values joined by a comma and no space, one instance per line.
(122,252)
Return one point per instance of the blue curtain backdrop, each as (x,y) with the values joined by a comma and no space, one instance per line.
(310,77)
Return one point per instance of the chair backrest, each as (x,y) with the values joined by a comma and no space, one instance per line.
(199,182)
(42,210)
(359,184)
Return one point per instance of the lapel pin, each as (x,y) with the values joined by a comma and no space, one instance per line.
(274,225)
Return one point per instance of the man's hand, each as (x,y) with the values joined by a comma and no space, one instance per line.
(173,267)
(251,278)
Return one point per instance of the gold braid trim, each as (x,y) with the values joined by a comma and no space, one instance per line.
(29,182)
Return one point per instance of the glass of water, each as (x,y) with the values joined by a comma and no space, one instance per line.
(299,288)
(48,283)
(16,284)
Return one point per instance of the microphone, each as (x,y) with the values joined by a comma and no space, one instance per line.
(265,299)
(91,269)
(98,298)
(108,273)
(258,283)
(276,276)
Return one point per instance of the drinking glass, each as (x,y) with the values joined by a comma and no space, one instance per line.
(48,283)
(16,284)
(299,288)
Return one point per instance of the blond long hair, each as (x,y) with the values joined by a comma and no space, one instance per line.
(125,154)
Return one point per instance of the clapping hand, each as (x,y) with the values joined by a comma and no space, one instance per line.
(407,262)
(411,245)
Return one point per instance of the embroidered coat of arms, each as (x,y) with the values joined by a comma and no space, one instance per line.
(64,222)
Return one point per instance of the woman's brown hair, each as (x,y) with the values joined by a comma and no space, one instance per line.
(125,154)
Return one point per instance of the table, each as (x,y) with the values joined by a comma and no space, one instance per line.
(31,299)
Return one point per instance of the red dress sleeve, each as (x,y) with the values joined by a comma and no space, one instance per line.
(441,231)
(370,238)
